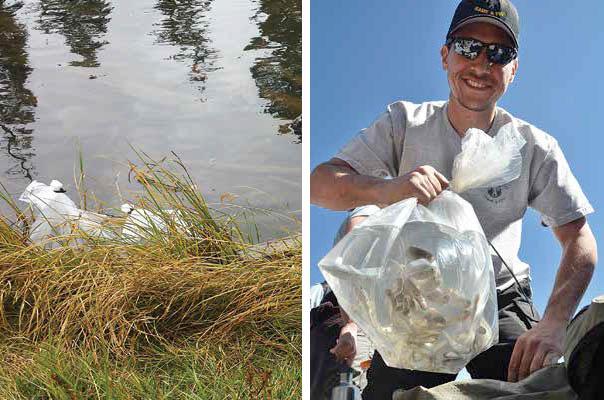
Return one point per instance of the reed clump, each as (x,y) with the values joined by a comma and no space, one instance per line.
(120,297)
(193,283)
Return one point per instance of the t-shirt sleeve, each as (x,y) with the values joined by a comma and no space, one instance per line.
(373,150)
(362,211)
(555,192)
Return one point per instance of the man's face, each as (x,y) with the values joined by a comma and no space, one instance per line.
(477,84)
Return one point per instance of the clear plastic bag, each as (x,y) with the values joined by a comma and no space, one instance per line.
(419,280)
(487,161)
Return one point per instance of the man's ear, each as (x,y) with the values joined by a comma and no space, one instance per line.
(514,69)
(444,54)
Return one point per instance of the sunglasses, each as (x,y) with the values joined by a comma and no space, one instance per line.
(471,48)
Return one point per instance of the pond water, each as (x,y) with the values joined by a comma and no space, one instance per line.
(216,82)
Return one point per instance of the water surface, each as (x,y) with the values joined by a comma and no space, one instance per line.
(216,82)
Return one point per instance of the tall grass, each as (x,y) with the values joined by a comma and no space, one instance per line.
(159,316)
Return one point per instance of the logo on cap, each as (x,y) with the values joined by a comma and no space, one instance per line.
(495,11)
(493,5)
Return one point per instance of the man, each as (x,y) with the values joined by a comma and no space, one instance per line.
(415,144)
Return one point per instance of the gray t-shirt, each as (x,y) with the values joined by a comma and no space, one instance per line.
(409,135)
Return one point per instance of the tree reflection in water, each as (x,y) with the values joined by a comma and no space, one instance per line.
(17,103)
(82,22)
(279,75)
(184,25)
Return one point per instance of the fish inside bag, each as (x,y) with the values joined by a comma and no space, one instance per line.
(419,281)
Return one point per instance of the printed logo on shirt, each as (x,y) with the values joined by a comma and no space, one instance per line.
(497,194)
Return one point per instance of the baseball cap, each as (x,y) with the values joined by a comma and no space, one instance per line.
(500,13)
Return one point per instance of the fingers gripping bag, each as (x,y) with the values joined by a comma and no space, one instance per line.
(418,280)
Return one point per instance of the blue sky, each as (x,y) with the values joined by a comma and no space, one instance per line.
(364,56)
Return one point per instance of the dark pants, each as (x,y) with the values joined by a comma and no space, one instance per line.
(516,316)
(325,369)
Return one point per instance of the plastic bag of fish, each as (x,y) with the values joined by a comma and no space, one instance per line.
(419,281)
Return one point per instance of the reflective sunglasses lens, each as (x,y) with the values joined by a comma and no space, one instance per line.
(469,48)
(500,54)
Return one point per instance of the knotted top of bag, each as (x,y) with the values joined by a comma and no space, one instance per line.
(486,161)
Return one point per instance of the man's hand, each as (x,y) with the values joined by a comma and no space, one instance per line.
(425,183)
(336,185)
(543,344)
(346,349)
(537,348)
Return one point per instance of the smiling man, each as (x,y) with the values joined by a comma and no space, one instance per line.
(414,145)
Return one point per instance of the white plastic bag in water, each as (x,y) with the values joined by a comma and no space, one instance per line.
(142,223)
(56,215)
(419,280)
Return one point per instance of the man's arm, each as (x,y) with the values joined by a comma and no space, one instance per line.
(337,186)
(543,344)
